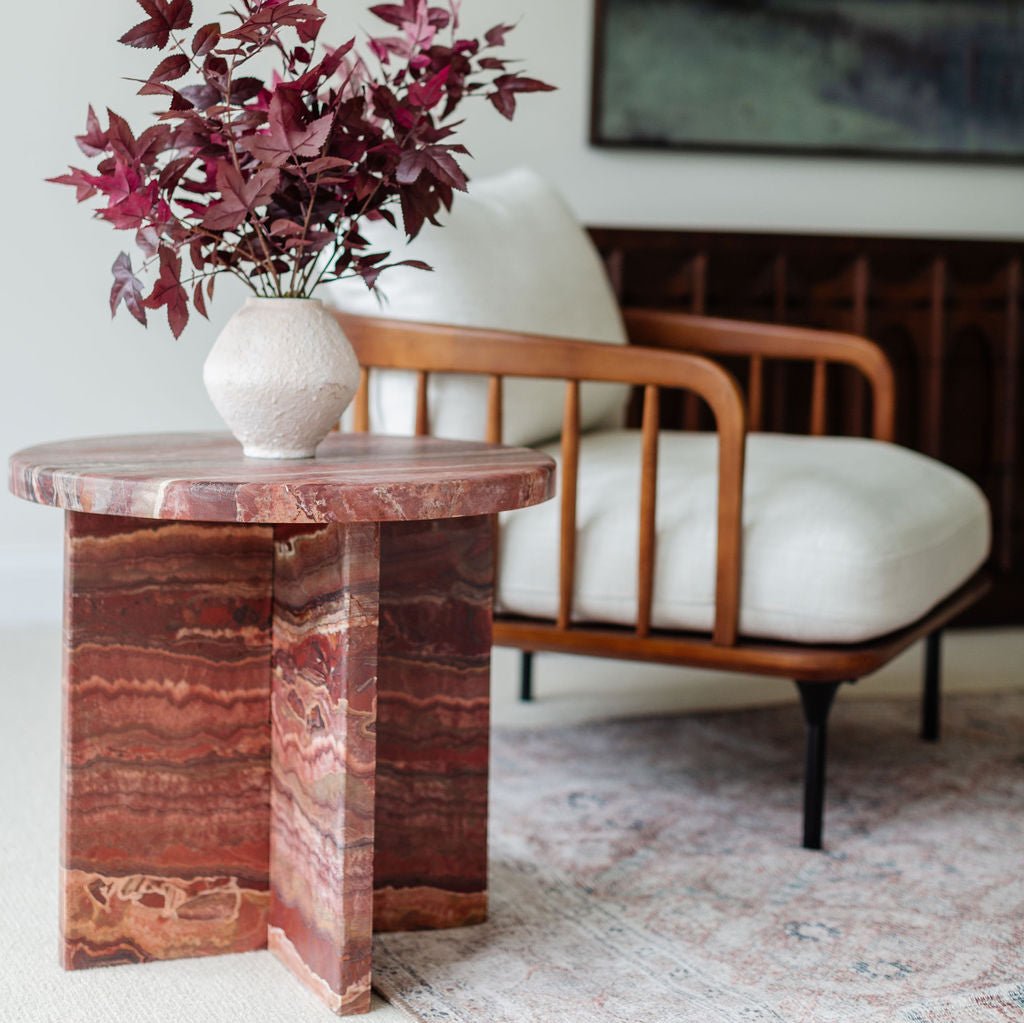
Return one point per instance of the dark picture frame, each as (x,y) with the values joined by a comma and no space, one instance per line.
(906,79)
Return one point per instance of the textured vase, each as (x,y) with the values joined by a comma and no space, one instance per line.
(280,374)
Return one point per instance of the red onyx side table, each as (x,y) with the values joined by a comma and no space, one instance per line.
(276,693)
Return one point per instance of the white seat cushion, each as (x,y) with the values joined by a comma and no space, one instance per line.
(510,256)
(844,539)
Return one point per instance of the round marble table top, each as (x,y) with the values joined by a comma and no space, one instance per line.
(354,478)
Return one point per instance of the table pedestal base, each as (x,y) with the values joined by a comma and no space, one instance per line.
(433,729)
(166,745)
(350,663)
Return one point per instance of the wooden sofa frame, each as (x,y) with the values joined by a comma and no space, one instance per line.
(673,350)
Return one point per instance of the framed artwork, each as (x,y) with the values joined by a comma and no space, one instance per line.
(907,78)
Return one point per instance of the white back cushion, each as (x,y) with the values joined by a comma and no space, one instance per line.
(510,256)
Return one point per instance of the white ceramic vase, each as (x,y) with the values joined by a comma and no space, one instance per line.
(280,374)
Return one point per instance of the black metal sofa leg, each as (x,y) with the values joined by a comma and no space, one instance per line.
(931,702)
(526,677)
(816,700)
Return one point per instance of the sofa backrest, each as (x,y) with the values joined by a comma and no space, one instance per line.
(510,256)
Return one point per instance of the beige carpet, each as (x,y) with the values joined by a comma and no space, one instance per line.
(254,988)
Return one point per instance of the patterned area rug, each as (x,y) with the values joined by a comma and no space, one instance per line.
(648,872)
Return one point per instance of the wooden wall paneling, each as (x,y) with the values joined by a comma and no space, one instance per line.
(839,302)
(1016,426)
(947,312)
(966,406)
(855,388)
(672,275)
(615,266)
(1009,446)
(982,433)
(762,293)
(901,318)
(780,314)
(695,272)
(934,364)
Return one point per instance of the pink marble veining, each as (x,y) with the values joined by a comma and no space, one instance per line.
(433,724)
(166,739)
(323,723)
(354,478)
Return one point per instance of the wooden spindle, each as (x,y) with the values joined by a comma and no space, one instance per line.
(861,284)
(698,306)
(932,366)
(778,375)
(422,409)
(648,512)
(855,419)
(568,479)
(780,287)
(1008,416)
(495,410)
(755,399)
(361,414)
(818,394)
(731,458)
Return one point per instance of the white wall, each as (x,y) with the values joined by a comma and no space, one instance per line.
(69,371)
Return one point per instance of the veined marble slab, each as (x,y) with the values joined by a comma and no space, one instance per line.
(354,478)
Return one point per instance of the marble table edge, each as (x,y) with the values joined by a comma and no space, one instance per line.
(390,484)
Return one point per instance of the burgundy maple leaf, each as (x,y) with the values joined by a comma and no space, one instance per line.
(165,17)
(496,35)
(168,291)
(205,39)
(168,70)
(127,288)
(429,93)
(239,196)
(506,87)
(288,135)
(84,184)
(94,141)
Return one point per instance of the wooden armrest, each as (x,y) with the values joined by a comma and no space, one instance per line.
(441,348)
(720,337)
(436,348)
